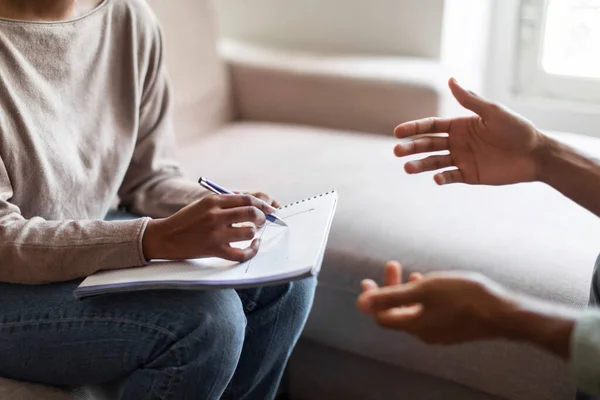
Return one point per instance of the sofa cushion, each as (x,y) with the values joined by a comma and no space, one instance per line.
(14,390)
(526,236)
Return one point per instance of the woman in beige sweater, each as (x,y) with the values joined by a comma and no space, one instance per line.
(85,117)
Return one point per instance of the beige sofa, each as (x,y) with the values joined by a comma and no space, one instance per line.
(295,125)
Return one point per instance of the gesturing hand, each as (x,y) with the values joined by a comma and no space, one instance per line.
(437,308)
(205,229)
(494,147)
(393,277)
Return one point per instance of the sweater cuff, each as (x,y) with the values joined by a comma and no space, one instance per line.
(140,241)
(585,352)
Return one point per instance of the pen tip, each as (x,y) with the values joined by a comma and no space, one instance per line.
(280,222)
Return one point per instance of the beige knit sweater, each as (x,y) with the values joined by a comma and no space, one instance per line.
(85,115)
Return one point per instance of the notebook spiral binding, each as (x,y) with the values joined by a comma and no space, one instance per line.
(308,199)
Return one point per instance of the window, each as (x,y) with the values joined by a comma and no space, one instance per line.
(559,50)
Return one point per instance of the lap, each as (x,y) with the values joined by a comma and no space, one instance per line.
(48,336)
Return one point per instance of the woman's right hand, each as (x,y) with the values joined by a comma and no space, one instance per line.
(204,229)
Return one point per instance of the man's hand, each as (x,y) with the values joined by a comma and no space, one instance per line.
(205,229)
(494,147)
(437,308)
(448,308)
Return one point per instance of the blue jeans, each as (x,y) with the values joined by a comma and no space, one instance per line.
(162,344)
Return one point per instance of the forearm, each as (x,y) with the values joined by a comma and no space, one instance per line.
(570,334)
(543,324)
(570,172)
(37,251)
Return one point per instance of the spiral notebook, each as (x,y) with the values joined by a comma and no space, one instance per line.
(285,254)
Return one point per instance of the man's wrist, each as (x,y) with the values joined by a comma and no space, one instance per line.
(547,154)
(536,322)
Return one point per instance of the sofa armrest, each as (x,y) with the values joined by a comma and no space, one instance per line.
(365,94)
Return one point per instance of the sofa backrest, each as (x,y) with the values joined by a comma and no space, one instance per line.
(199,76)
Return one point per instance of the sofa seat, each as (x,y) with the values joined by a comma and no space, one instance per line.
(528,237)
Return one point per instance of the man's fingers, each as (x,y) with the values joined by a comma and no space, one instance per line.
(242,200)
(242,214)
(415,277)
(393,296)
(240,255)
(468,99)
(431,163)
(422,127)
(448,177)
(393,273)
(368,284)
(421,145)
(364,301)
(404,318)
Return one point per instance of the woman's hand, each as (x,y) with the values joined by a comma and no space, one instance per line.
(205,229)
(266,198)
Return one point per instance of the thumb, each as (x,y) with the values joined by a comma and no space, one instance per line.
(468,99)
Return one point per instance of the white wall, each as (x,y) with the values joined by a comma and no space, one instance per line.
(390,27)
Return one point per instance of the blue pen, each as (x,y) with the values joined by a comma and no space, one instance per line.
(217,189)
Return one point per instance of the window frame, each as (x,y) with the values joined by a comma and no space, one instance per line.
(552,111)
(531,78)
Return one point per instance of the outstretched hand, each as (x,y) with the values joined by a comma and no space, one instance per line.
(437,308)
(393,277)
(493,147)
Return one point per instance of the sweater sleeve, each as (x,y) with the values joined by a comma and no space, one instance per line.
(154,184)
(39,251)
(585,352)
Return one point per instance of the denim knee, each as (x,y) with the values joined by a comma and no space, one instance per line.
(224,331)
(302,294)
(212,330)
(297,302)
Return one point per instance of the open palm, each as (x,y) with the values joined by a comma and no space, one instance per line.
(494,147)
